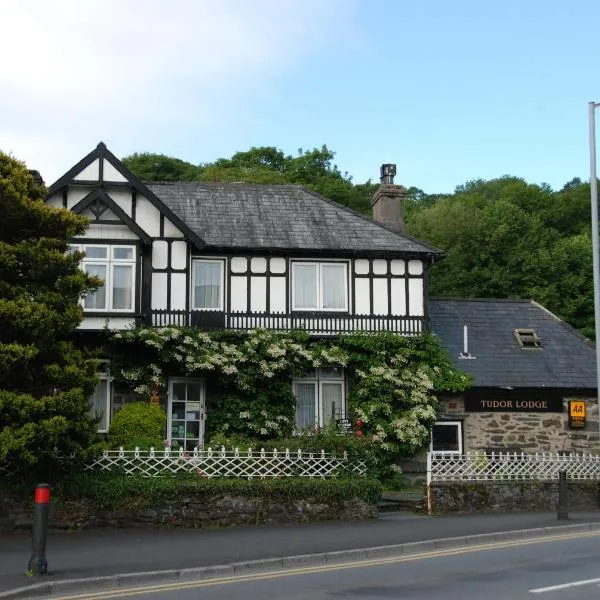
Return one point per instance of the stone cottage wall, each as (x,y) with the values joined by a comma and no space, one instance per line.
(524,432)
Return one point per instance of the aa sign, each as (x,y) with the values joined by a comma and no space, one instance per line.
(576,414)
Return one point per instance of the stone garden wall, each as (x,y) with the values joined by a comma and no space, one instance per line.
(218,511)
(510,496)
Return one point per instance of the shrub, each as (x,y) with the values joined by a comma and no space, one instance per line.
(108,491)
(140,425)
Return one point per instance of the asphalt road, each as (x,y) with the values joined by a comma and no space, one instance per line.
(561,567)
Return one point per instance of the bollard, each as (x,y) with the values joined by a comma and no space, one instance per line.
(38,563)
(562,496)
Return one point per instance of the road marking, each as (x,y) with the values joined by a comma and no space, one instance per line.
(199,583)
(563,586)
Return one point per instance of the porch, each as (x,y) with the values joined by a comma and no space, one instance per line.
(317,323)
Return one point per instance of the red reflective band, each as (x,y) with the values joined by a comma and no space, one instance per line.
(42,495)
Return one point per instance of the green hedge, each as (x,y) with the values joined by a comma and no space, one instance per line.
(106,491)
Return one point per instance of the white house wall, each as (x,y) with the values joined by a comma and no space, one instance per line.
(123,198)
(110,232)
(111,174)
(89,173)
(159,291)
(178,291)
(147,217)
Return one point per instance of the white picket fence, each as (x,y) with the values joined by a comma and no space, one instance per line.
(510,466)
(250,464)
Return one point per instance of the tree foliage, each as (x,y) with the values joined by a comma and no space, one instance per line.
(505,238)
(44,381)
(313,169)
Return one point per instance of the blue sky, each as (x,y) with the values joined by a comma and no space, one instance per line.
(450,91)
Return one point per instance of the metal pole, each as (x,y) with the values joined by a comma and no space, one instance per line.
(38,564)
(595,243)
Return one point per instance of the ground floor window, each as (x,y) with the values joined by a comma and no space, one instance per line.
(446,436)
(100,402)
(320,397)
(186,413)
(107,399)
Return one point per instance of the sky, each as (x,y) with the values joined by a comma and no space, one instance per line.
(449,91)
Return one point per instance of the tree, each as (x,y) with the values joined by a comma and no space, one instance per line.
(45,382)
(505,238)
(313,169)
(159,167)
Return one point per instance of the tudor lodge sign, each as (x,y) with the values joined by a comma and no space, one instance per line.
(478,404)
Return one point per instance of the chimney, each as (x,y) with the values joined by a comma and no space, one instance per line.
(388,201)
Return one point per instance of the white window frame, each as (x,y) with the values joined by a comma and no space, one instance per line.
(459,426)
(104,376)
(219,261)
(110,262)
(202,421)
(317,381)
(319,276)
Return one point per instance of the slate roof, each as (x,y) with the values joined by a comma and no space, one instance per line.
(565,360)
(277,217)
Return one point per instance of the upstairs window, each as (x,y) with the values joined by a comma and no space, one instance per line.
(115,265)
(207,284)
(319,286)
(527,338)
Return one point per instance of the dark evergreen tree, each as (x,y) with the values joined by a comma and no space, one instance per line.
(45,382)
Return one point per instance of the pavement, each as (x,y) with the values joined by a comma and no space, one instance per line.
(115,557)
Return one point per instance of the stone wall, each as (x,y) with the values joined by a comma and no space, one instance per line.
(510,496)
(527,432)
(220,510)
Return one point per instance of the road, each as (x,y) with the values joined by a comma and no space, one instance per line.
(558,567)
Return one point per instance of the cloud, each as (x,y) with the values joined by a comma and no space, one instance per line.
(131,71)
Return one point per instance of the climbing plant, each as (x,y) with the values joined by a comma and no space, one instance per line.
(392,399)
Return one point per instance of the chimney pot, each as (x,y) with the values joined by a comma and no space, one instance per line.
(388,172)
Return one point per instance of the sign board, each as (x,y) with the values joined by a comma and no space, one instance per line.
(513,403)
(344,425)
(577,414)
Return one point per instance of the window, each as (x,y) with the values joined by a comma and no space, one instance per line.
(446,436)
(319,286)
(186,413)
(207,284)
(527,338)
(100,399)
(115,265)
(320,397)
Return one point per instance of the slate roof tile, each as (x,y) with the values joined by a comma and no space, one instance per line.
(284,217)
(565,360)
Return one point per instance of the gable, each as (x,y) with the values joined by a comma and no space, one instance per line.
(100,182)
(101,209)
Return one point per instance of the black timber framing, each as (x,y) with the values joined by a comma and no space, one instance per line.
(100,194)
(101,152)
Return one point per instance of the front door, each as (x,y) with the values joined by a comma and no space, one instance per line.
(186,413)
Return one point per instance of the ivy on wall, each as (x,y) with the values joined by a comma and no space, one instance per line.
(392,397)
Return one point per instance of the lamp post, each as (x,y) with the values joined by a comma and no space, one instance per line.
(595,244)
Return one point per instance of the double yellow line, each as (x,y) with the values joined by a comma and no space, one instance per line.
(200,583)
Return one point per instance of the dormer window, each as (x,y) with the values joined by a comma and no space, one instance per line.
(527,338)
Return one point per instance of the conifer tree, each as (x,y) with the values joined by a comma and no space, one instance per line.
(45,381)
